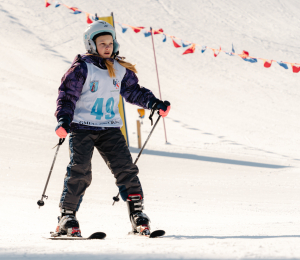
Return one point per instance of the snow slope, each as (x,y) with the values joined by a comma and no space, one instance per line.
(226,185)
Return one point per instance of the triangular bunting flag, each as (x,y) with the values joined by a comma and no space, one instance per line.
(282,64)
(88,20)
(57,4)
(190,50)
(252,60)
(232,52)
(124,29)
(176,45)
(159,31)
(295,68)
(267,64)
(245,57)
(146,33)
(216,52)
(75,10)
(203,49)
(47,3)
(185,44)
(164,37)
(137,29)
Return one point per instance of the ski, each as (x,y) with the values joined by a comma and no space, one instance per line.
(154,234)
(96,235)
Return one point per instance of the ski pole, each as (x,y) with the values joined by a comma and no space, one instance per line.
(41,202)
(116,198)
(137,158)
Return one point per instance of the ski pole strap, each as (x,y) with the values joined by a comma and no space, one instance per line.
(151,115)
(153,109)
(60,142)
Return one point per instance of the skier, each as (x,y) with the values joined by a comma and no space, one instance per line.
(87,108)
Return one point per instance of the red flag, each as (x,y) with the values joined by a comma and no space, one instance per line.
(137,29)
(88,20)
(295,68)
(215,52)
(176,45)
(267,63)
(190,50)
(157,31)
(47,4)
(244,55)
(75,10)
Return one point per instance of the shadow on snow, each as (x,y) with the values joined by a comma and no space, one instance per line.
(207,159)
(232,237)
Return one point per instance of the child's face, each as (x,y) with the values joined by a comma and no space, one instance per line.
(105,46)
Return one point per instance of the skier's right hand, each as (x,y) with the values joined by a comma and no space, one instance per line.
(62,129)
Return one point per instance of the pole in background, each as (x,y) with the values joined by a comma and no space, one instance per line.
(139,136)
(158,80)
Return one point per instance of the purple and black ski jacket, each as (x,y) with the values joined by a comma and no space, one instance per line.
(72,83)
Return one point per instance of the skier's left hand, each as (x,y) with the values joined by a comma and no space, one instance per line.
(163,107)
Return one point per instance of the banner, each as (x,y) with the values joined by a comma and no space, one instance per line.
(178,43)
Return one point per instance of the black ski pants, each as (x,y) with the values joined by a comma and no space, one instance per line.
(112,147)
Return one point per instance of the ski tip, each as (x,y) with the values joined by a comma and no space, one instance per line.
(157,233)
(97,235)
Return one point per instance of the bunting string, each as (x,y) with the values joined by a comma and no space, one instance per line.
(177,42)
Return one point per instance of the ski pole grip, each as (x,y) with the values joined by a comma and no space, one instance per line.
(167,103)
(61,141)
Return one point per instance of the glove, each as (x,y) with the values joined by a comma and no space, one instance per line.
(63,127)
(165,113)
(163,107)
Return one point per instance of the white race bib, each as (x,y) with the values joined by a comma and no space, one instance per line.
(99,99)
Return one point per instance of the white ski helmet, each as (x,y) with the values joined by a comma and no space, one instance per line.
(95,28)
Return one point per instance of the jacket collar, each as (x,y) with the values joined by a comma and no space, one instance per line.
(95,60)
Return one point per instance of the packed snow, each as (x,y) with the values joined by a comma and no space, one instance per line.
(225,186)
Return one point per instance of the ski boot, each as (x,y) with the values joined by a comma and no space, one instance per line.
(139,220)
(67,224)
